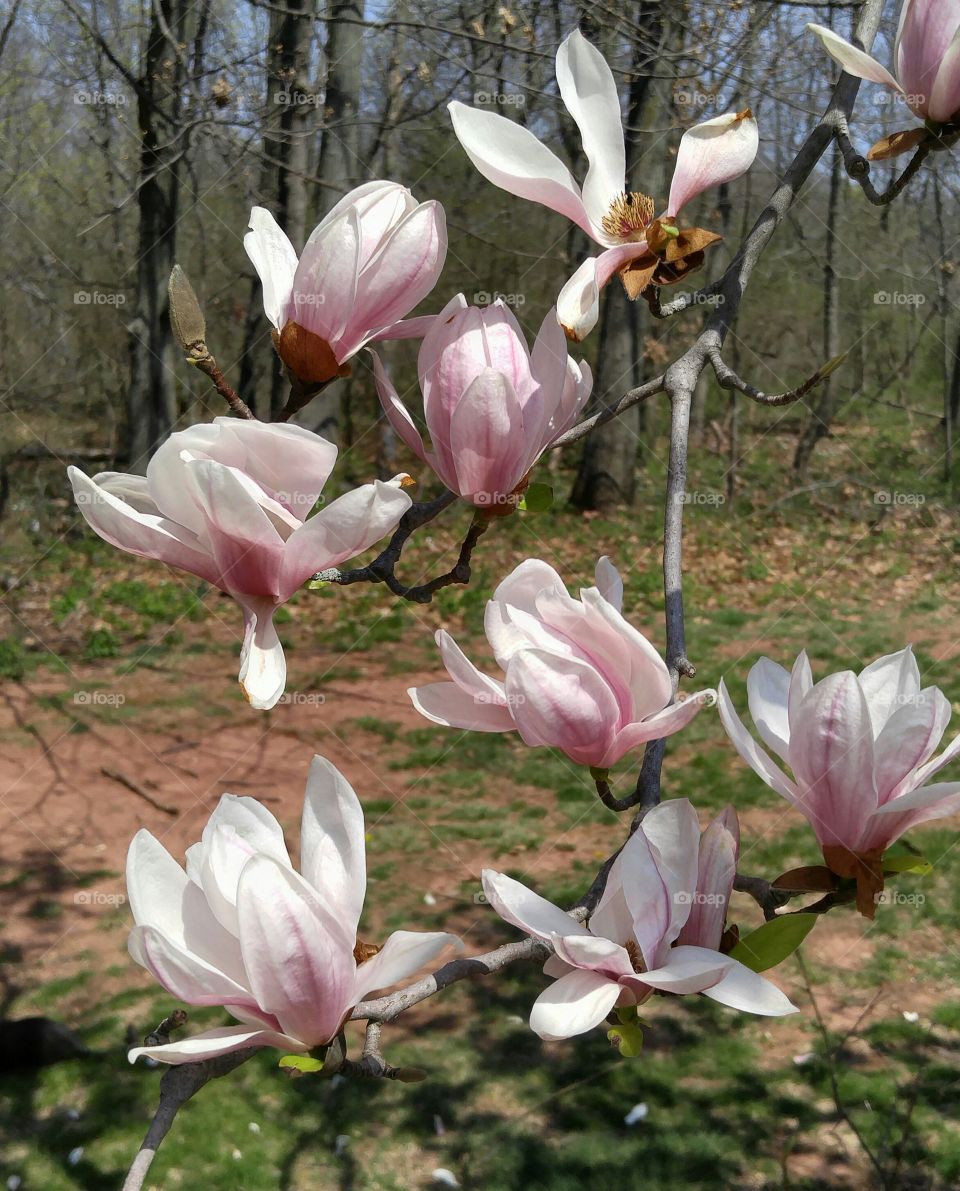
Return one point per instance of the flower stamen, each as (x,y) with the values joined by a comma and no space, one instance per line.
(628,216)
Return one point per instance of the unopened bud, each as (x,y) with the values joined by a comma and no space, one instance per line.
(186,317)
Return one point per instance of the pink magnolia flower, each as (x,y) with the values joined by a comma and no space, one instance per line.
(926,58)
(578,677)
(243,929)
(511,157)
(367,264)
(658,926)
(491,406)
(860,748)
(229,501)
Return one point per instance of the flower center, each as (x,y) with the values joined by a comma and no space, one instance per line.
(636,958)
(628,216)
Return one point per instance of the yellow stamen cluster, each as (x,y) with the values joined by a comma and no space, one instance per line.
(629,214)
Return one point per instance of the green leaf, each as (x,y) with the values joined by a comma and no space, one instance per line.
(902,857)
(298,1065)
(771,943)
(627,1039)
(538,498)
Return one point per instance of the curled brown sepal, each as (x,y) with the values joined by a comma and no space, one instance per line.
(673,254)
(897,143)
(866,868)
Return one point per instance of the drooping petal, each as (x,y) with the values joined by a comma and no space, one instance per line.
(572,1005)
(395,410)
(687,970)
(275,260)
(710,154)
(655,727)
(448,704)
(589,92)
(213,1043)
(263,667)
(899,815)
(593,954)
(523,908)
(740,988)
(512,158)
(341,530)
(466,675)
(578,303)
(749,750)
(332,849)
(403,954)
(856,62)
(143,534)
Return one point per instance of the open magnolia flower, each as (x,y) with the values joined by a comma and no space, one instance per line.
(367,264)
(492,406)
(578,677)
(658,927)
(229,501)
(926,59)
(243,929)
(644,250)
(861,751)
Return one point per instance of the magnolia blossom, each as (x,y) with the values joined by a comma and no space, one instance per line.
(657,927)
(243,929)
(578,676)
(367,264)
(229,501)
(491,406)
(511,157)
(860,748)
(926,58)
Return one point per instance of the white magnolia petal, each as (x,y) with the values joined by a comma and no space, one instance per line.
(403,954)
(332,846)
(213,1043)
(523,908)
(572,1005)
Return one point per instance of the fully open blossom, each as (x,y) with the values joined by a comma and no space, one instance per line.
(578,676)
(658,926)
(926,58)
(491,406)
(243,929)
(511,157)
(367,264)
(229,501)
(860,747)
